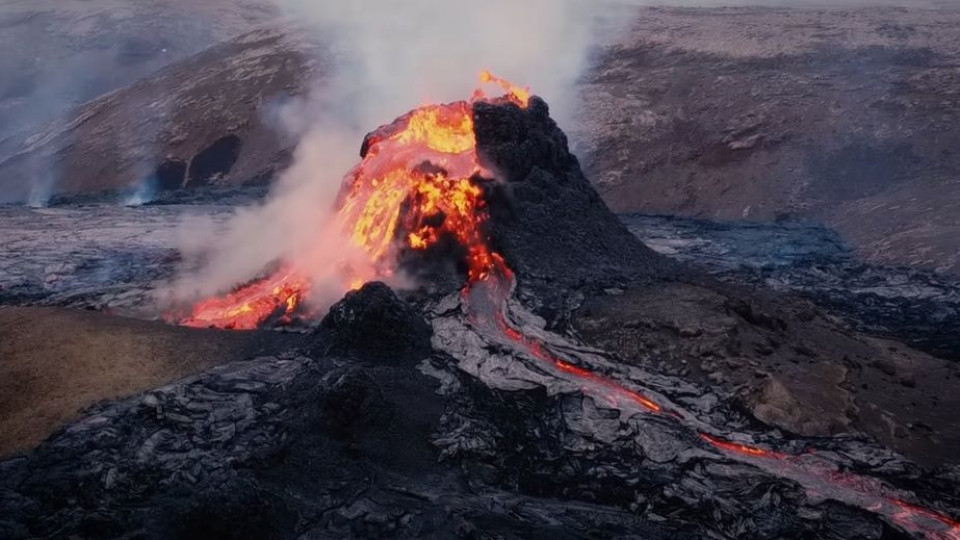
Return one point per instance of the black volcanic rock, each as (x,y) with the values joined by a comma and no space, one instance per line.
(545,218)
(292,447)
(276,447)
(492,423)
(373,322)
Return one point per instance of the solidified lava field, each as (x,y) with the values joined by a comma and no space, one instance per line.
(551,375)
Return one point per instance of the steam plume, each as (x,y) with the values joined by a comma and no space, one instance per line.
(391,56)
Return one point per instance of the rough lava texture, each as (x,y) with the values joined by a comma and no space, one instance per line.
(545,217)
(476,436)
(913,305)
(786,362)
(372,321)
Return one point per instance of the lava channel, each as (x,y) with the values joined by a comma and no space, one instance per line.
(419,181)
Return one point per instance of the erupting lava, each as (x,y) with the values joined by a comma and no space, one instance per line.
(420,176)
(420,181)
(246,308)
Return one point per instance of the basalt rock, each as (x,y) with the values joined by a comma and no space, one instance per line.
(373,322)
(545,217)
(292,447)
(465,415)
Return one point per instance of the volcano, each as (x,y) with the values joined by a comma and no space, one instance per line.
(481,403)
(426,183)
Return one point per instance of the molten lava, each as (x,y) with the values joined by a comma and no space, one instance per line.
(520,96)
(420,181)
(278,296)
(737,447)
(419,175)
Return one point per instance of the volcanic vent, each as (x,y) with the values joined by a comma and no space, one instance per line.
(469,407)
(425,185)
(490,186)
(420,185)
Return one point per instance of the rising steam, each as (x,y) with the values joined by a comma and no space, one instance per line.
(390,57)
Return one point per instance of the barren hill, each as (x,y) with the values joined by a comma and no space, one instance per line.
(842,116)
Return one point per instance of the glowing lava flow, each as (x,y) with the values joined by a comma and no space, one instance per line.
(821,477)
(418,175)
(486,309)
(420,181)
(485,301)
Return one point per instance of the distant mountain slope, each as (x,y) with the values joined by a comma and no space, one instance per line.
(847,117)
(197,121)
(59,53)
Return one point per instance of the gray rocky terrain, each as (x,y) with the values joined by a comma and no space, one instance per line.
(211,107)
(59,54)
(847,117)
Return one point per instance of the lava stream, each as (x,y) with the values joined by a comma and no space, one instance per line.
(486,306)
(420,181)
(278,296)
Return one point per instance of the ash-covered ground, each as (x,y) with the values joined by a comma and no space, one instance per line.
(609,391)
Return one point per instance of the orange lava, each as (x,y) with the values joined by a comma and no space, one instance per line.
(520,96)
(739,448)
(419,175)
(909,514)
(613,389)
(247,307)
(870,493)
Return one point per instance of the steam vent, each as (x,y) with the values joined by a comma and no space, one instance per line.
(547,376)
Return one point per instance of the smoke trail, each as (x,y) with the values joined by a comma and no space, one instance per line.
(294,224)
(143,192)
(389,57)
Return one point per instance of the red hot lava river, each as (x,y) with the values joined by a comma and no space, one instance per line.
(420,181)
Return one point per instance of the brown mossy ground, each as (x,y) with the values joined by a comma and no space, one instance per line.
(56,362)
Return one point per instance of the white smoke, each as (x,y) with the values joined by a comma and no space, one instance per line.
(295,224)
(389,57)
(400,53)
